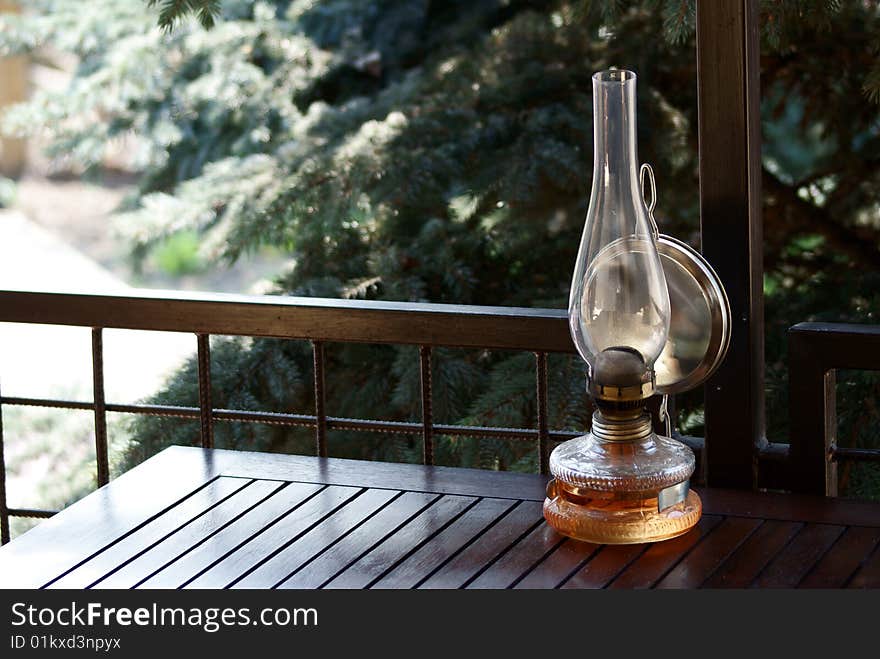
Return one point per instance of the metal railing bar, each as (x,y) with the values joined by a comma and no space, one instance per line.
(267,418)
(179,412)
(31,512)
(773,452)
(47,402)
(205,409)
(427,406)
(4,510)
(302,420)
(320,414)
(841,453)
(411,428)
(543,429)
(101,453)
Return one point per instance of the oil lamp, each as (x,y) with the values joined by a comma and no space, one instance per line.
(650,317)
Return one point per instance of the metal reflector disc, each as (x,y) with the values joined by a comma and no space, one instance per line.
(699,325)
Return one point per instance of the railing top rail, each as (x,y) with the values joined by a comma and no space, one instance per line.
(322,319)
(836,331)
(834,345)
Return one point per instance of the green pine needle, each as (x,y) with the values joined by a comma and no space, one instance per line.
(173,11)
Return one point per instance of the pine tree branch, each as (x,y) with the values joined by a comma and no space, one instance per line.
(799,214)
(173,11)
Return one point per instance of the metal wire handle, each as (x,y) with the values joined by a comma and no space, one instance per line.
(664,414)
(647,172)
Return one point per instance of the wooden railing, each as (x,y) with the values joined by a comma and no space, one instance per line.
(815,352)
(816,349)
(316,320)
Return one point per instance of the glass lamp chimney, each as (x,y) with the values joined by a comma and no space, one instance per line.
(618,293)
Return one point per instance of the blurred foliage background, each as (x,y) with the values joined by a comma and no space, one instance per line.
(441,150)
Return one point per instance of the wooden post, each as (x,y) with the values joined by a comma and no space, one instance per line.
(812,417)
(13,89)
(730,217)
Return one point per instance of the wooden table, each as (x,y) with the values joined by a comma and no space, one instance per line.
(197,518)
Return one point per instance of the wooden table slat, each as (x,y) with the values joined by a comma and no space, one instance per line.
(130,545)
(519,559)
(274,537)
(220,545)
(388,553)
(705,558)
(868,575)
(332,528)
(787,507)
(604,566)
(486,548)
(559,565)
(797,558)
(350,548)
(844,559)
(146,563)
(661,557)
(746,562)
(446,544)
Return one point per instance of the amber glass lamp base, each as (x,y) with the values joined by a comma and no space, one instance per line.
(617,518)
